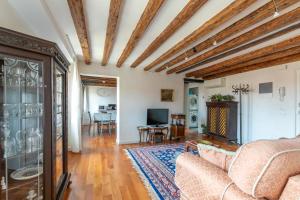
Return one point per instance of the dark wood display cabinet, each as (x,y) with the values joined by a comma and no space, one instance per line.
(33,127)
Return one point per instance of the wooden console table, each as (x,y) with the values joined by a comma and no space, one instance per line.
(177,126)
(152,132)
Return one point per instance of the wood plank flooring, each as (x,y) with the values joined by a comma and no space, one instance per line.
(103,171)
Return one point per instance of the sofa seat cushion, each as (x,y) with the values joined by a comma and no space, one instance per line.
(262,168)
(292,189)
(198,179)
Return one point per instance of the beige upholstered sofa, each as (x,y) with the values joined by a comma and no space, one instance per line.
(265,169)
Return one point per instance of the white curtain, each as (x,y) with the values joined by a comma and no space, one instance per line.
(85,102)
(74,109)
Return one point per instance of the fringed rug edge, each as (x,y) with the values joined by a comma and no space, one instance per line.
(146,182)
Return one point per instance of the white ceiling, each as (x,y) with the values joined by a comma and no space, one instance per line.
(51,19)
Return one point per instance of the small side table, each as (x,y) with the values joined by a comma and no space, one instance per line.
(142,131)
(152,132)
(157,132)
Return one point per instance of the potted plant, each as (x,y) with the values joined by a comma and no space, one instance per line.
(204,129)
(228,97)
(219,97)
(216,98)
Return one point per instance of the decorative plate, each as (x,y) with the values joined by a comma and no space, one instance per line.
(27,173)
(103,92)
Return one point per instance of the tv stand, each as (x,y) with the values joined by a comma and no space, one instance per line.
(152,132)
(158,126)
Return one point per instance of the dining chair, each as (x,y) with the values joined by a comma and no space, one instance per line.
(113,118)
(102,119)
(90,124)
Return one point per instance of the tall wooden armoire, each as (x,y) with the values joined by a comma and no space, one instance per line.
(222,119)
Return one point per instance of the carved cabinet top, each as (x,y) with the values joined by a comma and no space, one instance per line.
(29,43)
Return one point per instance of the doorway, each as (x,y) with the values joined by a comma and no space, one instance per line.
(193,108)
(297,113)
(100,105)
(195,105)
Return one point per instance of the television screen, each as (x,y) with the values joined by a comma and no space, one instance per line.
(157,116)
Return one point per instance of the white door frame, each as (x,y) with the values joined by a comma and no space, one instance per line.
(118,100)
(297,106)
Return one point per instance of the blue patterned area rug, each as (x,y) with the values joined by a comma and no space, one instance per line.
(156,166)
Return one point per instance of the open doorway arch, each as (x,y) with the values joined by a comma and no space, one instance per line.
(108,81)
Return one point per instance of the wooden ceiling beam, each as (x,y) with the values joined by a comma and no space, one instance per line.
(100,80)
(286,44)
(76,8)
(95,83)
(272,56)
(144,21)
(244,47)
(279,61)
(97,78)
(111,30)
(254,17)
(275,24)
(91,81)
(100,84)
(185,14)
(225,15)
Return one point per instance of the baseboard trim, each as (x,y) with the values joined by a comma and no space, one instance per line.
(128,141)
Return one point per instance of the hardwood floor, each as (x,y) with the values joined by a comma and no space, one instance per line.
(103,171)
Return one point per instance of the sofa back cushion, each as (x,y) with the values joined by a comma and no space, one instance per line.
(217,156)
(262,168)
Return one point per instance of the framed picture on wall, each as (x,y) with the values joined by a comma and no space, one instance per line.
(167,95)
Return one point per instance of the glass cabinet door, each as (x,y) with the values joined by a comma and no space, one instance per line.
(60,119)
(21,128)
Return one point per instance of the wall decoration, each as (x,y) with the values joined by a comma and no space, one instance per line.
(167,95)
(281,93)
(265,88)
(104,92)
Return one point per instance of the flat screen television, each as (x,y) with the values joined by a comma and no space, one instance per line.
(156,117)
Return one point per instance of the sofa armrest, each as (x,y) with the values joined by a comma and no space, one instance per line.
(292,189)
(198,179)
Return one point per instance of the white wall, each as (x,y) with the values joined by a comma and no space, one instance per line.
(264,115)
(139,90)
(96,100)
(74,107)
(11,20)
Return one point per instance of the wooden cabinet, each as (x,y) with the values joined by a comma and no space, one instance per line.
(222,119)
(177,126)
(33,128)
